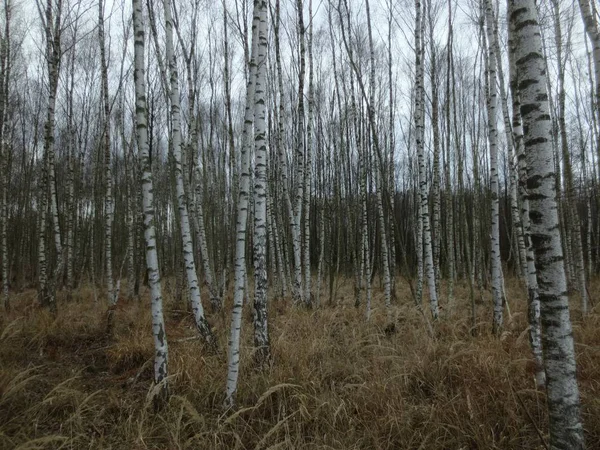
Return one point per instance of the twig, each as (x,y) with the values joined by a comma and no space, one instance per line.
(191,338)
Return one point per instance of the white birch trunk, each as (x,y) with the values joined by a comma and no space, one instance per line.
(161,349)
(261,331)
(130,192)
(435,188)
(108,199)
(308,170)
(233,358)
(72,158)
(535,331)
(423,191)
(280,135)
(379,174)
(53,52)
(184,221)
(491,102)
(512,161)
(448,185)
(4,149)
(566,430)
(297,219)
(42,259)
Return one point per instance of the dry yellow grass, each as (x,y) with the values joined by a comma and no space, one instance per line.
(335,383)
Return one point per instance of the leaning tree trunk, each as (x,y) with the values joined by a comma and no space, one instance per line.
(187,246)
(566,429)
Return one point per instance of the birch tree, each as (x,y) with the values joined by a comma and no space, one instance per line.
(161,349)
(261,332)
(419,137)
(233,358)
(52,20)
(566,430)
(533,301)
(108,196)
(300,154)
(187,247)
(491,102)
(5,146)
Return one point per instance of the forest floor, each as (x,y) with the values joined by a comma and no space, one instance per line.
(336,382)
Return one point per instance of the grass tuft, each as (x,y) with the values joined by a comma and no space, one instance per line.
(336,382)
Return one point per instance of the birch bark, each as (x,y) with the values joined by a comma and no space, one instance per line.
(420,136)
(108,198)
(533,301)
(261,332)
(187,247)
(161,349)
(233,358)
(491,103)
(566,430)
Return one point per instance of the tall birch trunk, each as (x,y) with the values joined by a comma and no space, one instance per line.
(379,174)
(420,137)
(261,331)
(512,161)
(566,429)
(435,188)
(308,169)
(280,133)
(448,186)
(53,25)
(73,162)
(161,349)
(129,211)
(233,358)
(533,301)
(491,102)
(392,161)
(5,148)
(300,155)
(108,198)
(187,247)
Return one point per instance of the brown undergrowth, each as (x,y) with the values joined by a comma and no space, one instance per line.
(336,382)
